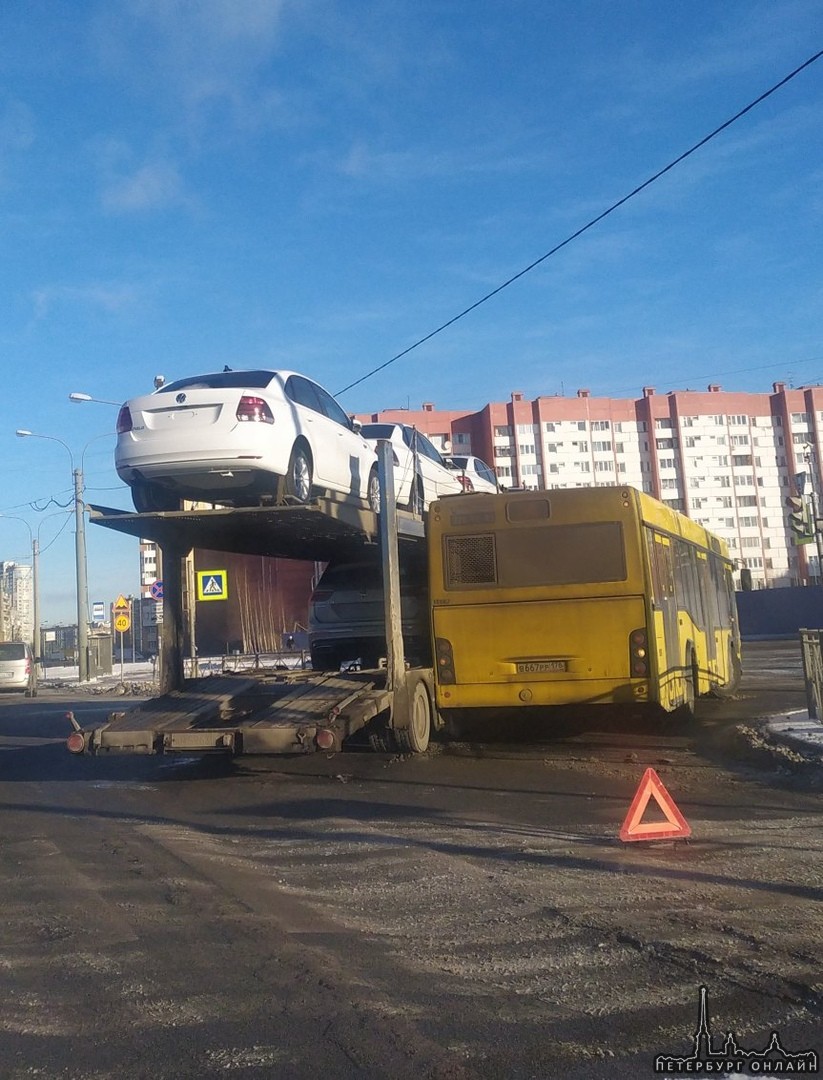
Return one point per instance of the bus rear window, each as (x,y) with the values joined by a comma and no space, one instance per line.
(534,557)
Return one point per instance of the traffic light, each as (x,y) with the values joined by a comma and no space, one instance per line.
(800,520)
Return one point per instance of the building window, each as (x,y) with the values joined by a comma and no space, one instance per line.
(600,425)
(739,420)
(664,423)
(741,459)
(582,466)
(747,500)
(504,431)
(739,440)
(602,446)
(667,463)
(603,466)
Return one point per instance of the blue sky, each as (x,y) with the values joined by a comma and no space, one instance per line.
(316,184)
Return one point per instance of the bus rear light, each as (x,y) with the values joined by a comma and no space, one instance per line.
(638,652)
(444,656)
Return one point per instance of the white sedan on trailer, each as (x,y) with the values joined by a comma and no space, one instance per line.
(238,438)
(480,475)
(420,472)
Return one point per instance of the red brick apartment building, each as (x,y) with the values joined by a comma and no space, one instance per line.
(726,459)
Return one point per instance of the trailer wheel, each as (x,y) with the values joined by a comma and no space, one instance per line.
(415,738)
(381,740)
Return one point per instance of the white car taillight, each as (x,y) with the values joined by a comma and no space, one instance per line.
(254,410)
(124,422)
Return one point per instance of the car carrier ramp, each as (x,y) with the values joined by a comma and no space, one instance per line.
(295,712)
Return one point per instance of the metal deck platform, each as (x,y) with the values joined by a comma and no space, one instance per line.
(323,530)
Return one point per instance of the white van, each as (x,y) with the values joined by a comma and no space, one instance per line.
(16,666)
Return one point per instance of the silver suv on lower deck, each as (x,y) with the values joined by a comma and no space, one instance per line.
(347,616)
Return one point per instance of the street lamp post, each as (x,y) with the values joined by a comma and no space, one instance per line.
(808,456)
(80,557)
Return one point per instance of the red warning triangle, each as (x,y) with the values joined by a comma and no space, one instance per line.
(675,824)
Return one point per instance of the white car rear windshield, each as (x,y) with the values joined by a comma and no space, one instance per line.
(220,380)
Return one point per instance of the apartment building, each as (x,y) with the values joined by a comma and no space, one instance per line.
(728,460)
(16,602)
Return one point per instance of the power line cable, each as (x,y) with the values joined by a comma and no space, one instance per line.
(594,221)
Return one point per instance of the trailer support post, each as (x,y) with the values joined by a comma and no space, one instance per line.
(173,628)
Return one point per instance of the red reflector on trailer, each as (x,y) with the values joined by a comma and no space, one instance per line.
(76,742)
(324,739)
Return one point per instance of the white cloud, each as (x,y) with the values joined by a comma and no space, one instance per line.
(197,56)
(150,187)
(110,298)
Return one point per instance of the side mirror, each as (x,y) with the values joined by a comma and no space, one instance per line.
(356,425)
(447,447)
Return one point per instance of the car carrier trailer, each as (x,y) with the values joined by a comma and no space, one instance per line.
(270,713)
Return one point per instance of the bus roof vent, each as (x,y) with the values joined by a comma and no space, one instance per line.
(470,560)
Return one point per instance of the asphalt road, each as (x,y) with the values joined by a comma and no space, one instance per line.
(470,913)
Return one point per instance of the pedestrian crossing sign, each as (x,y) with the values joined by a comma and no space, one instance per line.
(212,585)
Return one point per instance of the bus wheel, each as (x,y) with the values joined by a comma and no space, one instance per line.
(414,738)
(729,689)
(690,684)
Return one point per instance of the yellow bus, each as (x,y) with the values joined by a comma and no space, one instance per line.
(580,596)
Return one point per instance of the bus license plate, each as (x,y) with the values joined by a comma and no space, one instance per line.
(536,667)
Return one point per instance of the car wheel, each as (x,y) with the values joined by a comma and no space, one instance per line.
(299,476)
(324,659)
(373,492)
(152,499)
(416,499)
